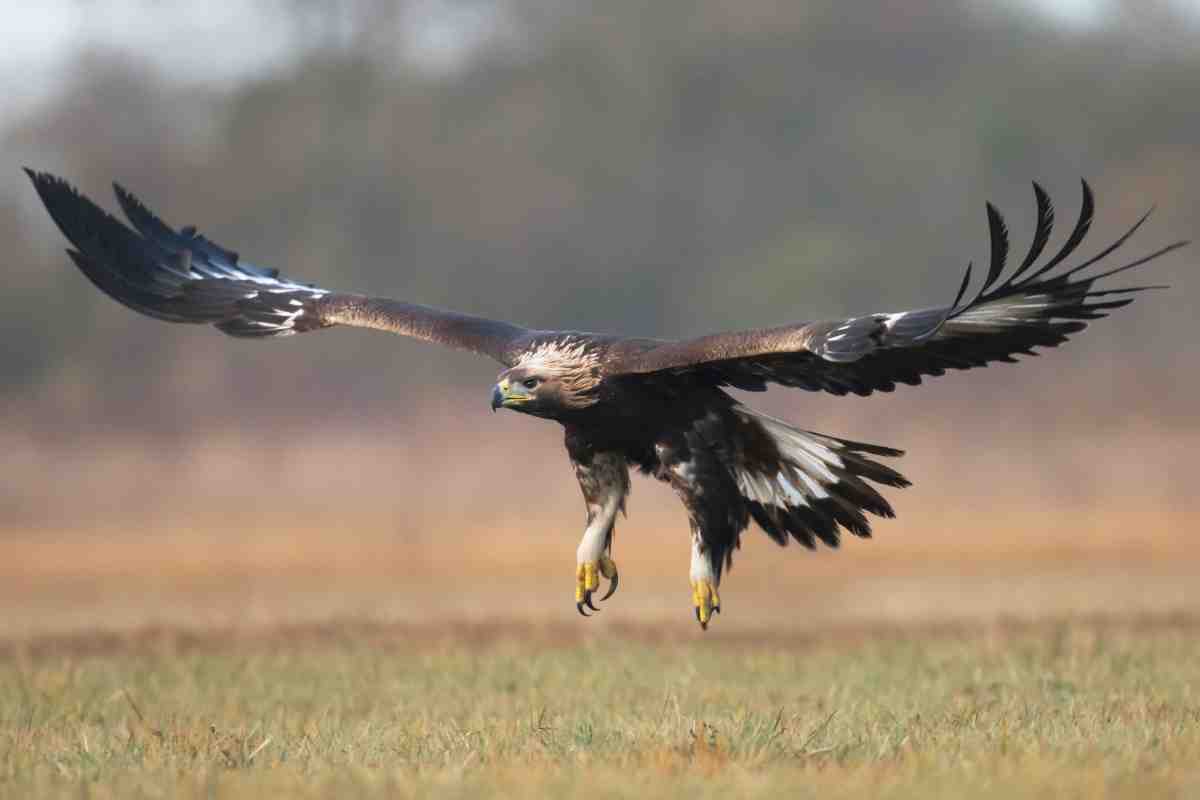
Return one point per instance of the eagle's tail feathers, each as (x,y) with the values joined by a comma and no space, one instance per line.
(809,486)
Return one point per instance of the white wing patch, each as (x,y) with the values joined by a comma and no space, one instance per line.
(842,331)
(1016,311)
(277,315)
(806,474)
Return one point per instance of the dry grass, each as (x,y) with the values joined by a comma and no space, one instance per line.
(1058,710)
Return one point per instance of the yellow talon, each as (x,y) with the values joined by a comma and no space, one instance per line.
(706,601)
(587,581)
(608,567)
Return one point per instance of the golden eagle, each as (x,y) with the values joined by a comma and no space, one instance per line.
(657,405)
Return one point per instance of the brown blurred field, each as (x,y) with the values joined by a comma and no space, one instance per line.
(291,526)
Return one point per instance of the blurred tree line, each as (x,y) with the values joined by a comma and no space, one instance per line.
(648,166)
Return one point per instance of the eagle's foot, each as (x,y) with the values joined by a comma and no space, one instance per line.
(706,601)
(587,582)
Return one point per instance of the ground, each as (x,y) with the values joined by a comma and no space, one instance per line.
(1086,708)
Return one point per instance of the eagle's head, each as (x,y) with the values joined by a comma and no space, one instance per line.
(549,380)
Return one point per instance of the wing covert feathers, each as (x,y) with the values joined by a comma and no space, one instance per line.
(181,276)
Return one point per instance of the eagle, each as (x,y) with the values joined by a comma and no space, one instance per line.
(659,406)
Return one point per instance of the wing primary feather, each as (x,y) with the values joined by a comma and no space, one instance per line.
(998,231)
(142,218)
(1162,251)
(1045,225)
(1120,241)
(962,289)
(1082,225)
(1108,304)
(1146,288)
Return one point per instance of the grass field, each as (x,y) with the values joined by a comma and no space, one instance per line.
(274,617)
(1087,709)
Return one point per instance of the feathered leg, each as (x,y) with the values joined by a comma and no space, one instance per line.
(604,480)
(691,462)
(705,581)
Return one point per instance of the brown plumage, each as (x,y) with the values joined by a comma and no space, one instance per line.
(656,405)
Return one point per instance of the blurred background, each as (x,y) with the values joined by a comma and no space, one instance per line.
(658,168)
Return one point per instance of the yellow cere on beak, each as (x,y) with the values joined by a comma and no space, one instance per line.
(506,395)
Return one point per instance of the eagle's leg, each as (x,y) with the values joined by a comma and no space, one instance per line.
(699,475)
(593,559)
(705,581)
(604,479)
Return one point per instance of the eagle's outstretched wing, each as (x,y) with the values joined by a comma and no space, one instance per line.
(180,276)
(1035,306)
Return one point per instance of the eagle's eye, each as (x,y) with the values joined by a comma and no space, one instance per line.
(531,383)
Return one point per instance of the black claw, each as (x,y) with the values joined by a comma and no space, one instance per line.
(612,586)
(716,609)
(579,607)
(587,601)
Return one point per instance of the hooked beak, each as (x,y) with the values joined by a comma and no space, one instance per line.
(507,395)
